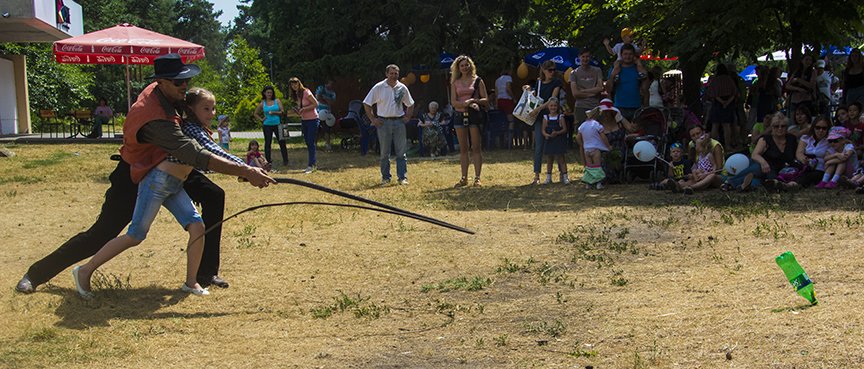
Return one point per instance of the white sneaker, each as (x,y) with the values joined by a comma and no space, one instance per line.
(599,186)
(309,170)
(565,179)
(195,291)
(403,181)
(548,179)
(385,181)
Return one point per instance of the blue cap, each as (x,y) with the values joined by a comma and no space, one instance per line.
(222,117)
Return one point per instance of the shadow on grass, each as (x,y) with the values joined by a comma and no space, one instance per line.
(557,197)
(792,308)
(127,304)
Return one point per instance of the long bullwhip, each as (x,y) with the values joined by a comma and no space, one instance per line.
(380,207)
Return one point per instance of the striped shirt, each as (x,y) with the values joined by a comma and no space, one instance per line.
(195,131)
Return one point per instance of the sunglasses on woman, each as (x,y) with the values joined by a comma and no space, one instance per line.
(779,126)
(820,127)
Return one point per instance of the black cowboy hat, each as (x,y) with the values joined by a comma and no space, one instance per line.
(170,66)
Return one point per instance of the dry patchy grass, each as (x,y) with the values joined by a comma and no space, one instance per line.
(556,276)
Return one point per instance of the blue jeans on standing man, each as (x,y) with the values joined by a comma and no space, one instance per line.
(392,132)
(310,135)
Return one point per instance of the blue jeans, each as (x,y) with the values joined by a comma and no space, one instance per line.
(758,176)
(392,132)
(159,189)
(310,135)
(539,145)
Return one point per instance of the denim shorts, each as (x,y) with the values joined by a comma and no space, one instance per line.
(459,119)
(155,190)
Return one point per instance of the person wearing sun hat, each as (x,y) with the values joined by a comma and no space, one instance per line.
(150,132)
(840,159)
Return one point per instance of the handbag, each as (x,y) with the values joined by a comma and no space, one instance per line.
(284,132)
(527,103)
(475,117)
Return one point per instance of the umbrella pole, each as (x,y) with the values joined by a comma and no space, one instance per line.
(128,89)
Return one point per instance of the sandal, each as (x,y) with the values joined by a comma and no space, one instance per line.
(462,182)
(477,182)
(536,181)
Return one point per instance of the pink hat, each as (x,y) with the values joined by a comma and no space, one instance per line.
(837,133)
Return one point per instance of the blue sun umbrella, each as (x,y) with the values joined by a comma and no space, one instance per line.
(564,57)
(445,60)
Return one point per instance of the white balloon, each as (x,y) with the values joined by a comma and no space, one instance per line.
(644,151)
(736,163)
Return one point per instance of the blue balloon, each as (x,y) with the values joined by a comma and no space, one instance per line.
(736,163)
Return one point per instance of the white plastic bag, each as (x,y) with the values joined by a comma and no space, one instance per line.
(527,103)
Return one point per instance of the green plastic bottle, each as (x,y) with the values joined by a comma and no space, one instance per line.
(796,276)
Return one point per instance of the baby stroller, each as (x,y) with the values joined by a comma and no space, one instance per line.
(652,123)
(356,129)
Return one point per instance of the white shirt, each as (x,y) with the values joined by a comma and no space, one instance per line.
(224,134)
(389,100)
(501,87)
(824,82)
(591,131)
(654,98)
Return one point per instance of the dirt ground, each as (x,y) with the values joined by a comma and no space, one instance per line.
(555,277)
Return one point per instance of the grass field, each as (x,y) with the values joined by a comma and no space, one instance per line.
(556,276)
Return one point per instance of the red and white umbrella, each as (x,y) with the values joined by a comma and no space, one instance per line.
(123,44)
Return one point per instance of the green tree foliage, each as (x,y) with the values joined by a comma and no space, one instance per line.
(357,39)
(699,31)
(238,84)
(59,87)
(198,24)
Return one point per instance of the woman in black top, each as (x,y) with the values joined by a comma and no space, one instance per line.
(853,78)
(776,149)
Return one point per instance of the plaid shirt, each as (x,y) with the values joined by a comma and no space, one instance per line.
(196,132)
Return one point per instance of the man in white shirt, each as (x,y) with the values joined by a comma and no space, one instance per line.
(389,96)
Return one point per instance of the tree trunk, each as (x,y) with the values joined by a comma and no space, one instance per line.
(692,68)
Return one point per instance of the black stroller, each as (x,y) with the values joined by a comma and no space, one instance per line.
(356,129)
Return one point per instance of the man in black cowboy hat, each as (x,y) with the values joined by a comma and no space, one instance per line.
(150,132)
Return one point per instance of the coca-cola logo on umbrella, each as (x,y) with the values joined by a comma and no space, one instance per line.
(105,59)
(112,49)
(150,50)
(72,48)
(187,51)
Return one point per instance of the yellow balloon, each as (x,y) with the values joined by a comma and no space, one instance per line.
(411,77)
(522,71)
(567,74)
(424,78)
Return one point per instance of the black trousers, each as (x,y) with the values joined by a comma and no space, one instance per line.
(117,213)
(269,133)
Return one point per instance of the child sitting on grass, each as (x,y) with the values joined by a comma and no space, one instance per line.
(703,172)
(679,169)
(253,156)
(840,159)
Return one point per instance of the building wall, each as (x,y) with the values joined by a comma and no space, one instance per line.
(8,105)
